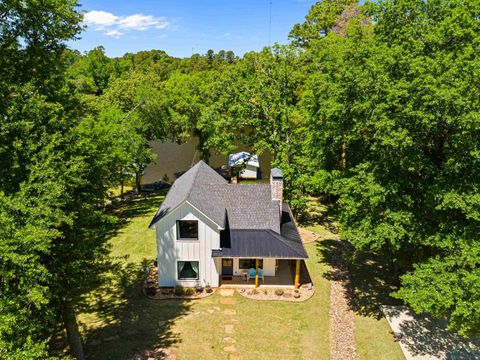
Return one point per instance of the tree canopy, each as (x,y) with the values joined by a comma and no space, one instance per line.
(375,105)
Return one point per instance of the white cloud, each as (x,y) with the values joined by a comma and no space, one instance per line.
(114,33)
(223,36)
(99,19)
(142,22)
(115,26)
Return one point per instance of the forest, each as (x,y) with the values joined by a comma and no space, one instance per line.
(375,107)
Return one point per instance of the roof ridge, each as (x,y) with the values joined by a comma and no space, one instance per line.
(194,174)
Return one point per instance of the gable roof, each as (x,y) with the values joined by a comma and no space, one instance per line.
(248,206)
(251,221)
(194,186)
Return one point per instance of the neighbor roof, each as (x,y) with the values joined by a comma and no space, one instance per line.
(240,158)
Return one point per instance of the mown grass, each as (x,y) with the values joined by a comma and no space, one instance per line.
(369,285)
(121,323)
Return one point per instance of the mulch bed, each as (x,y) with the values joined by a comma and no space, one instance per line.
(151,289)
(269,294)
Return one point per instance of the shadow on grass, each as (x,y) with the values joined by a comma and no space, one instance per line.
(318,213)
(369,279)
(128,325)
(119,321)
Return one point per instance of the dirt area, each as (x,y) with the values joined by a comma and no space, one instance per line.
(309,236)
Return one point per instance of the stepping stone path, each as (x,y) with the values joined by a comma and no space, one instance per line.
(227,292)
(229,328)
(227,301)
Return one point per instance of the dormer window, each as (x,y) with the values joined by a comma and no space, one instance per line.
(187,230)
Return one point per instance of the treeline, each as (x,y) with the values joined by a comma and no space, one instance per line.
(374,105)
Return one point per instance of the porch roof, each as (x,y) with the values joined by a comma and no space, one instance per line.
(258,243)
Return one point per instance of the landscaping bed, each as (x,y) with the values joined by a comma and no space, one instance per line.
(153,291)
(272,294)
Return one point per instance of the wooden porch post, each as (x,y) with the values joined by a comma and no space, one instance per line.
(297,274)
(256,273)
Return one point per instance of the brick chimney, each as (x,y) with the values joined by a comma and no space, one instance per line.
(276,184)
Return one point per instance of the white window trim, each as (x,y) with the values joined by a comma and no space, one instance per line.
(177,232)
(176,270)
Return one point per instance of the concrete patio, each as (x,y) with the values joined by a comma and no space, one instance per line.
(424,338)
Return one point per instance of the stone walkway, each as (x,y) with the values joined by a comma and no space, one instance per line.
(229,340)
(342,318)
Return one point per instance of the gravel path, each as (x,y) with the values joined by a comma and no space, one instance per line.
(342,319)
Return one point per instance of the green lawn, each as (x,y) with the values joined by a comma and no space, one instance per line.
(121,322)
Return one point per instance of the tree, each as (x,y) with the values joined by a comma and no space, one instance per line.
(402,98)
(320,21)
(50,186)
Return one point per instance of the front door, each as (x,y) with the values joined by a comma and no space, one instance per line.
(227,267)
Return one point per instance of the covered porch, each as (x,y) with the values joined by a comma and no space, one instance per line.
(263,272)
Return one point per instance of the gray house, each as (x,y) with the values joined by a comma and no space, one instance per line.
(212,232)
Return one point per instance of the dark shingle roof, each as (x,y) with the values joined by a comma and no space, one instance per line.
(249,206)
(196,185)
(252,221)
(258,243)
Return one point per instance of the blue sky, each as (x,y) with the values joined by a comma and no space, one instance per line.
(183,27)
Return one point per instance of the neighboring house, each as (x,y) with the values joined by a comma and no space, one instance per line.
(250,162)
(212,232)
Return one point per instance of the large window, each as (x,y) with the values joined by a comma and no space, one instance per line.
(187,229)
(249,263)
(187,270)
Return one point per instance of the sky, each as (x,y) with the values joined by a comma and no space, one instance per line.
(185,27)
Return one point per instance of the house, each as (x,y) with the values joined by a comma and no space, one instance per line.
(212,232)
(249,161)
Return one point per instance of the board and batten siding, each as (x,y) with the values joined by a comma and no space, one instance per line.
(170,250)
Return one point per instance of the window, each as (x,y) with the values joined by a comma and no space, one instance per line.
(187,229)
(249,263)
(187,270)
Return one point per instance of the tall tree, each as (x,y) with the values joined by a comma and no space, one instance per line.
(320,20)
(404,98)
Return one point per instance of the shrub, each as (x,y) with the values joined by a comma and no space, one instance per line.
(279,292)
(151,291)
(265,291)
(178,290)
(189,291)
(208,288)
(199,289)
(253,292)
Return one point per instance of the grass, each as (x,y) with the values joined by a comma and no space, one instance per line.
(117,191)
(375,340)
(121,323)
(369,286)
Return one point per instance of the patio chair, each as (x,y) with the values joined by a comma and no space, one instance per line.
(251,274)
